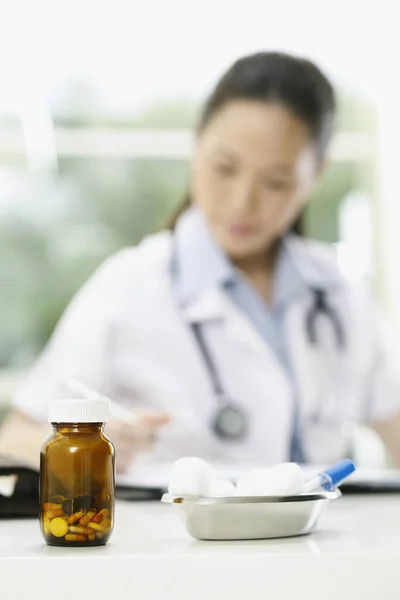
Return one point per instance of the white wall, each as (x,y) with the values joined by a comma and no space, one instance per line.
(134,51)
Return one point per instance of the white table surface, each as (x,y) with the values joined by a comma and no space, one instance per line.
(354,553)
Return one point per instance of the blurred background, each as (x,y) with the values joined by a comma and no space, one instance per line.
(97,107)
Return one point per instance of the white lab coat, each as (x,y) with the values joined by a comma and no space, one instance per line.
(125,336)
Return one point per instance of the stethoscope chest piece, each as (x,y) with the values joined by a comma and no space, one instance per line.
(230,422)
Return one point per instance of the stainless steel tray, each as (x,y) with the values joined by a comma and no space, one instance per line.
(251,517)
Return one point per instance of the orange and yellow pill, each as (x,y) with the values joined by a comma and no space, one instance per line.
(79,529)
(51,506)
(52,514)
(104,526)
(75,537)
(75,517)
(89,515)
(46,525)
(96,526)
(100,516)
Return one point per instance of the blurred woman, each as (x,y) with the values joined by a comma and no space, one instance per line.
(231,337)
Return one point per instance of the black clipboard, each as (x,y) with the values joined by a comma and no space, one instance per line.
(138,494)
(381,482)
(24,501)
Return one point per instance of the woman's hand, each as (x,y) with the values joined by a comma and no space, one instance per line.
(131,439)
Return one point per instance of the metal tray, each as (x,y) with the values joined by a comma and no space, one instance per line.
(251,517)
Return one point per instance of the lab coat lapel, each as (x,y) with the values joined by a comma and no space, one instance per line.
(320,370)
(302,356)
(207,306)
(214,305)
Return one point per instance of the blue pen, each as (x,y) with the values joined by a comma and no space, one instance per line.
(329,479)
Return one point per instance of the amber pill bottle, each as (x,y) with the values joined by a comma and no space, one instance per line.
(77,475)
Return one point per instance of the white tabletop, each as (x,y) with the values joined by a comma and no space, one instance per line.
(355,552)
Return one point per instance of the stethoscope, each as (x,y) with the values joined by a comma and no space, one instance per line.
(230,422)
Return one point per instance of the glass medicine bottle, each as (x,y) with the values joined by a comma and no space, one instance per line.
(77,475)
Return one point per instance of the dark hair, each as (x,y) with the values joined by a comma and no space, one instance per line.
(294,82)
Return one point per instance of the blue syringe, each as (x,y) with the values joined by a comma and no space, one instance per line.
(329,479)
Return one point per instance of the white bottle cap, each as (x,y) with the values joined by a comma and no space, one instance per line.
(78,411)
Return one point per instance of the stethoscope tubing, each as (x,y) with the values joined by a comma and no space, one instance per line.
(227,406)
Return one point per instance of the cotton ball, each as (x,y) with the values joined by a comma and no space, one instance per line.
(223,489)
(287,479)
(253,483)
(191,477)
(282,480)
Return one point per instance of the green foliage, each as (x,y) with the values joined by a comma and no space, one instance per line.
(321,215)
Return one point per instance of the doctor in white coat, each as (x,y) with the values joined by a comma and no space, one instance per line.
(230,336)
